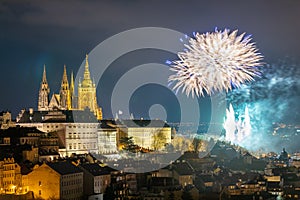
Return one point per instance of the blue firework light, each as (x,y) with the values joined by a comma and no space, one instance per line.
(269,99)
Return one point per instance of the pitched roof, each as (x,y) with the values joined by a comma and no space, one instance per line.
(54,102)
(96,170)
(107,124)
(81,116)
(18,131)
(207,178)
(132,123)
(144,123)
(183,168)
(64,167)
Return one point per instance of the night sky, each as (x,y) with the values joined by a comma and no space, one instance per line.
(54,33)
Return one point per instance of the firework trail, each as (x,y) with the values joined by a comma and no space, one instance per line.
(215,61)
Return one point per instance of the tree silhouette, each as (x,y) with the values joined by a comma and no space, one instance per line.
(159,140)
(186,195)
(109,193)
(128,144)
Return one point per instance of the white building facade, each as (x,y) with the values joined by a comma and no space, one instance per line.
(75,135)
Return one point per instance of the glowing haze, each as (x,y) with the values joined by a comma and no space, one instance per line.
(274,98)
(215,61)
(237,130)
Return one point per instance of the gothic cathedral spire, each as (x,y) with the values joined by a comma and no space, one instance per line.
(87,93)
(86,82)
(65,101)
(72,92)
(44,93)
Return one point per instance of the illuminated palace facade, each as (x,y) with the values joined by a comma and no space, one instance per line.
(66,99)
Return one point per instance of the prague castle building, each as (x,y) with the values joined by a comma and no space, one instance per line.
(66,99)
(77,120)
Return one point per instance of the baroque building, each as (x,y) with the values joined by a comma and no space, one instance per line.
(10,176)
(76,129)
(66,99)
(55,180)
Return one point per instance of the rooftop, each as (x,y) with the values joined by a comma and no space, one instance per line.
(81,116)
(64,167)
(95,169)
(144,123)
(18,131)
(183,168)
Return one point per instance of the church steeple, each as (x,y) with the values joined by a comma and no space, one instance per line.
(64,82)
(87,92)
(65,101)
(44,80)
(86,82)
(44,93)
(72,92)
(72,89)
(86,68)
(85,97)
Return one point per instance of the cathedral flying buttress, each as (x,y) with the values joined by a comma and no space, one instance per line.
(66,99)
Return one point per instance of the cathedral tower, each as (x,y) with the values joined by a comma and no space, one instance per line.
(44,93)
(87,92)
(65,100)
(72,92)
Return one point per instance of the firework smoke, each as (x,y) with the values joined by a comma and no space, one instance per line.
(273,98)
(215,61)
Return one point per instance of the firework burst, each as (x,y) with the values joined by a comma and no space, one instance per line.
(215,61)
